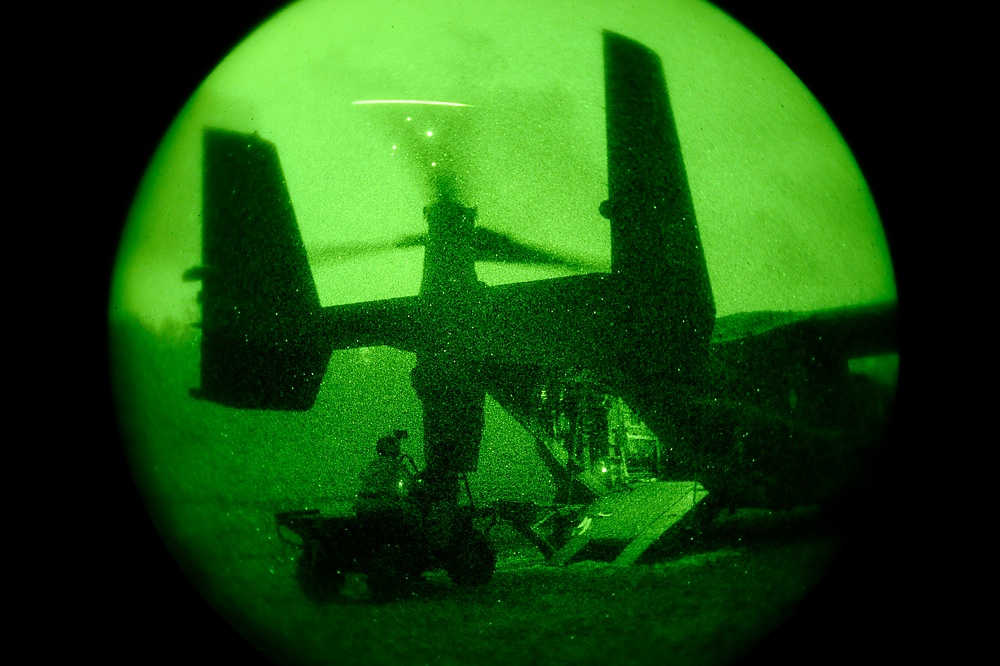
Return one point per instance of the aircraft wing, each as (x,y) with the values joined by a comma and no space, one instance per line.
(849,332)
(764,357)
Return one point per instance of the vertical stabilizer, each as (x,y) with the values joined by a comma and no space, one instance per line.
(261,345)
(655,248)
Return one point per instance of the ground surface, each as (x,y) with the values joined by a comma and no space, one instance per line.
(213,497)
(702,603)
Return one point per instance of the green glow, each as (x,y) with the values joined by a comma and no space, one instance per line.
(344,90)
(785,216)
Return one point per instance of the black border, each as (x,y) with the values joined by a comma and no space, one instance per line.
(858,58)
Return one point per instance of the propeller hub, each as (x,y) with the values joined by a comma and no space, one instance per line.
(449,256)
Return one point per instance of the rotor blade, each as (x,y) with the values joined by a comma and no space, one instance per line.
(430,137)
(489,245)
(354,250)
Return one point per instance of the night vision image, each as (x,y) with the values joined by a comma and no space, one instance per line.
(503,333)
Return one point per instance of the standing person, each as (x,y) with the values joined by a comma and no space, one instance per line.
(390,521)
(383,503)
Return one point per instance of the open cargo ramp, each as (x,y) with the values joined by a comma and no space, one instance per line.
(633,519)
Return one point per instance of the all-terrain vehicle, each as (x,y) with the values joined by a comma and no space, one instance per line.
(391,556)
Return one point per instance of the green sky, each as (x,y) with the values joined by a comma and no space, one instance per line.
(785,216)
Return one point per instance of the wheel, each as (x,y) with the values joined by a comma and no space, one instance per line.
(386,577)
(472,561)
(318,575)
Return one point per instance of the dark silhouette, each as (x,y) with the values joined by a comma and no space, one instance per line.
(760,409)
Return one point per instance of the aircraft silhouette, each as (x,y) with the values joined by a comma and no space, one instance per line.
(760,408)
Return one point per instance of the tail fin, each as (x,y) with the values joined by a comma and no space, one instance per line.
(655,247)
(262,345)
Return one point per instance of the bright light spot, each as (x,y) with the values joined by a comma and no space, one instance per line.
(394,147)
(430,133)
(434,163)
(408,101)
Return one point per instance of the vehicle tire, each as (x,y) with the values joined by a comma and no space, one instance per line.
(318,575)
(387,581)
(472,561)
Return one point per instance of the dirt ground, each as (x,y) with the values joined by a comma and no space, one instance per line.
(706,602)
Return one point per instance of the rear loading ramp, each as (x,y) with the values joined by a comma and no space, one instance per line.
(632,520)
